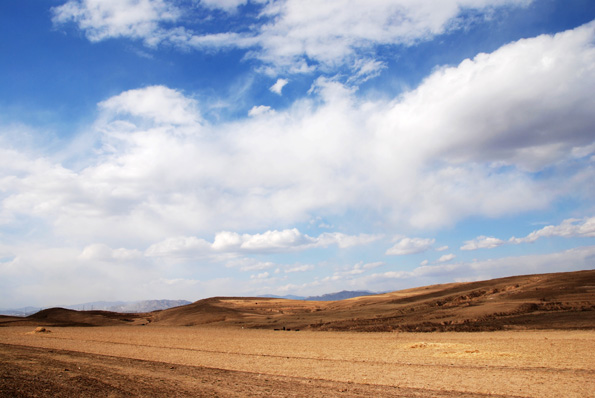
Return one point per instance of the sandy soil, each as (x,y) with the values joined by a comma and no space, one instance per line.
(191,361)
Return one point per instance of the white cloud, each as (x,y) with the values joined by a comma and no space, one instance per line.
(287,33)
(277,88)
(226,240)
(258,110)
(345,241)
(272,241)
(373,265)
(333,32)
(103,19)
(276,240)
(160,104)
(493,101)
(262,275)
(365,69)
(482,242)
(351,273)
(161,171)
(568,228)
(60,276)
(258,266)
(410,246)
(300,268)
(565,261)
(446,258)
(181,246)
(226,5)
(102,252)
(442,248)
(569,260)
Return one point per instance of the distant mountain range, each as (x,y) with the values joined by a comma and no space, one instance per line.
(342,295)
(564,301)
(114,306)
(25,311)
(154,305)
(129,306)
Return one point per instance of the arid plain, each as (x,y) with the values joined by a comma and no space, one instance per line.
(530,336)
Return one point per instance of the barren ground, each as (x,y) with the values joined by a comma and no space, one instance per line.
(201,361)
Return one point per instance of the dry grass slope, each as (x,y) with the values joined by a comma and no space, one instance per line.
(546,301)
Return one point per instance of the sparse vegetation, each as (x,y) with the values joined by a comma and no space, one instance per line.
(232,341)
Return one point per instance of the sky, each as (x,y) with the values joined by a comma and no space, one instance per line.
(184,149)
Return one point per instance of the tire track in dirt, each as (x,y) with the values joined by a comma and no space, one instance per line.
(590,372)
(30,371)
(257,352)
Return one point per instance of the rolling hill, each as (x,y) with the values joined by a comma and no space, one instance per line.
(545,301)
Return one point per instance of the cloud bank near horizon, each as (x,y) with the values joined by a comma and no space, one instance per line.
(416,160)
(327,189)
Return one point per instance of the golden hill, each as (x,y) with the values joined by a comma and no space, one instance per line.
(546,301)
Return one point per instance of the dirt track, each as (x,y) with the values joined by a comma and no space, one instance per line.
(151,361)
(31,372)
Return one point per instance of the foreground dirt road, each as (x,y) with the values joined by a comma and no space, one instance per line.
(177,361)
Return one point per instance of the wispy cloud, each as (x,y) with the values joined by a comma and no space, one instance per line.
(417,158)
(270,241)
(406,246)
(298,32)
(568,260)
(446,258)
(569,228)
(167,183)
(258,110)
(136,19)
(300,268)
(482,242)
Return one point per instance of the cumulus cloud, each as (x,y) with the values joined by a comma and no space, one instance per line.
(226,5)
(482,242)
(269,240)
(332,33)
(160,104)
(410,246)
(446,258)
(299,268)
(503,88)
(258,110)
(161,171)
(345,241)
(569,260)
(351,273)
(569,228)
(262,275)
(181,246)
(63,275)
(102,19)
(102,252)
(256,265)
(564,261)
(274,241)
(295,32)
(277,88)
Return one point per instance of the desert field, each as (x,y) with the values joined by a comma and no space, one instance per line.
(228,362)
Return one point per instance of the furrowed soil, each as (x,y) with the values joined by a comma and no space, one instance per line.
(119,361)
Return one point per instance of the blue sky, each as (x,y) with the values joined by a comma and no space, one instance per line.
(190,148)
